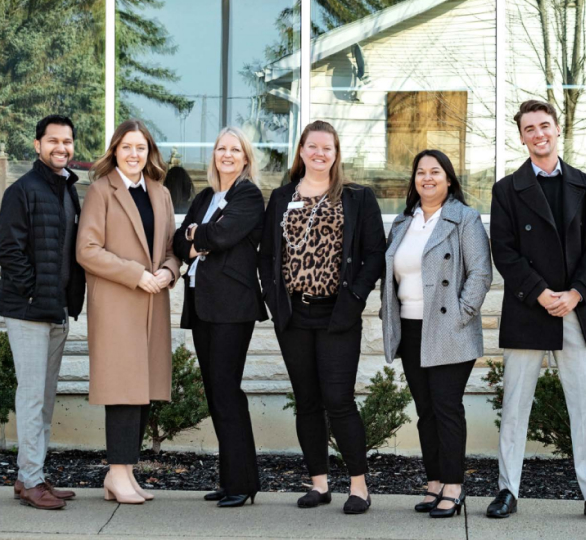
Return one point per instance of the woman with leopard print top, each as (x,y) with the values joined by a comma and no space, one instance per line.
(322,252)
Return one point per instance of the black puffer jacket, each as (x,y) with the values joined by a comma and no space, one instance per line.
(32,234)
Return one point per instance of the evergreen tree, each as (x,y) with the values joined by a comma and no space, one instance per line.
(52,61)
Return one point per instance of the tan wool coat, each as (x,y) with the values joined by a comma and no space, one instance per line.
(129,330)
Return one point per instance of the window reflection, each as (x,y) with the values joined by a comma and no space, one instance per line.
(545,60)
(51,62)
(221,56)
(415,74)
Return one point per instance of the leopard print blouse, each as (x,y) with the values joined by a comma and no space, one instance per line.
(315,267)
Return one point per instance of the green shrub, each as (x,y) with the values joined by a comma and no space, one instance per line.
(382,412)
(188,405)
(7,385)
(549,422)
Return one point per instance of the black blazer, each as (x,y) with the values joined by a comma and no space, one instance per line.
(363,256)
(527,251)
(226,288)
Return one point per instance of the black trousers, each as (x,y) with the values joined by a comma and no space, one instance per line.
(221,352)
(125,427)
(322,368)
(438,392)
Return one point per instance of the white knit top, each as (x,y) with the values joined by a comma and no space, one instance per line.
(407,264)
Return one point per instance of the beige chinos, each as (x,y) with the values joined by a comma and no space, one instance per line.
(522,367)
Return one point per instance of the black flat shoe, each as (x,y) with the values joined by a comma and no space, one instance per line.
(232,501)
(314,498)
(356,505)
(217,495)
(449,512)
(429,506)
(503,505)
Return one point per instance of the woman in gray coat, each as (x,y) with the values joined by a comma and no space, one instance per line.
(438,271)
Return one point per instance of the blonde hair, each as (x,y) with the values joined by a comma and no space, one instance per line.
(337,180)
(250,170)
(155,167)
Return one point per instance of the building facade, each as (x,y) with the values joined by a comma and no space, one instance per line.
(393,77)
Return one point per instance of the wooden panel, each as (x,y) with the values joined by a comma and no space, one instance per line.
(418,120)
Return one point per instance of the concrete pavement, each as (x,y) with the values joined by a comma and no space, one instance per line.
(180,514)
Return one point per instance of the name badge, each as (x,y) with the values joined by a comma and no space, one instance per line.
(295,204)
(222,204)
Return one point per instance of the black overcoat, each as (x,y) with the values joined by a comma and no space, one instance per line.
(226,288)
(528,253)
(363,256)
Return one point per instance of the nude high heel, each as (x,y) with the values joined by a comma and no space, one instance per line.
(144,494)
(112,494)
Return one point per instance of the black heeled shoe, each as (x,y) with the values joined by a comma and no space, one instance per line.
(429,506)
(233,501)
(217,495)
(449,512)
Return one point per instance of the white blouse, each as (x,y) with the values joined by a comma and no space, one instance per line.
(407,264)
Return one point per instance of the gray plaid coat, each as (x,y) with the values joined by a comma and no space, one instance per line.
(456,272)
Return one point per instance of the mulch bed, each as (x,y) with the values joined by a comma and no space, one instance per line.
(388,473)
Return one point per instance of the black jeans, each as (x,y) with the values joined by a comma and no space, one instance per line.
(437,392)
(322,367)
(125,427)
(221,352)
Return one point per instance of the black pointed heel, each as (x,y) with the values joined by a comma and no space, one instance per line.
(449,512)
(217,495)
(233,501)
(424,507)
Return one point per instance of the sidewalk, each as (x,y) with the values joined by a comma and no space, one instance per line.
(180,514)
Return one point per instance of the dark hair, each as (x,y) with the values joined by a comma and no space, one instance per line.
(53,119)
(180,186)
(534,105)
(454,189)
(337,179)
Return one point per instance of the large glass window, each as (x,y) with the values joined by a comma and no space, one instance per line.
(198,66)
(545,60)
(51,62)
(398,76)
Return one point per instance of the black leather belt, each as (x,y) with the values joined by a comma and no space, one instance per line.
(309,299)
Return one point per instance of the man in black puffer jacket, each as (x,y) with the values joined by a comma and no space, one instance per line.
(41,284)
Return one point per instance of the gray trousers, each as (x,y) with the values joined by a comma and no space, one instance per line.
(37,349)
(522,367)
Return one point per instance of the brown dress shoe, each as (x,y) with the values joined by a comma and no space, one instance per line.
(40,497)
(64,494)
(60,494)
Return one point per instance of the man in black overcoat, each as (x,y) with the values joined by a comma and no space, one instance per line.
(538,243)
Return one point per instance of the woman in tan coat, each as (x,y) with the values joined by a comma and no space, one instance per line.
(125,245)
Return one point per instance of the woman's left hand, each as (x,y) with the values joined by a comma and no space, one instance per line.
(164,277)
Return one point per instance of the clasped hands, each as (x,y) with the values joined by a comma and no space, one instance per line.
(559,304)
(155,283)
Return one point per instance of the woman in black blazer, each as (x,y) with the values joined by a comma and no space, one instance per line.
(218,239)
(322,252)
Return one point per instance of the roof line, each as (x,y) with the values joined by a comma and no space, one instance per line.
(344,36)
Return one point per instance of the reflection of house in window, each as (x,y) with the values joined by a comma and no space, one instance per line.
(420,120)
